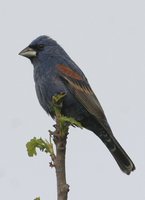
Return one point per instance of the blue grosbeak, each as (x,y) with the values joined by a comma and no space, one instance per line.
(55,72)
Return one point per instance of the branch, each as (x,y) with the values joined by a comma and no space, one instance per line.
(59,164)
(59,137)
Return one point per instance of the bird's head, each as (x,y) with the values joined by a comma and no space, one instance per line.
(38,46)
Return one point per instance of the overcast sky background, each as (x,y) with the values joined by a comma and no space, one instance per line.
(107,40)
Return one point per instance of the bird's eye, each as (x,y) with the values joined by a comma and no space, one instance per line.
(40,46)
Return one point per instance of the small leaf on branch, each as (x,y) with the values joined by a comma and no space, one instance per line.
(37,198)
(40,144)
(58,99)
(70,121)
(65,122)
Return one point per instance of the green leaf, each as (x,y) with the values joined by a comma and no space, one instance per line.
(65,122)
(58,99)
(70,121)
(40,144)
(37,198)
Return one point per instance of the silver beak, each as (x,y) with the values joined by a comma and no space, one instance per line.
(28,52)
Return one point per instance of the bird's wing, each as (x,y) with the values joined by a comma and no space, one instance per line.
(80,87)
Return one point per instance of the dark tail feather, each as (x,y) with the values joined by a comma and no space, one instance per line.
(121,157)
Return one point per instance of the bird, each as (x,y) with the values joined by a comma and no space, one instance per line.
(55,72)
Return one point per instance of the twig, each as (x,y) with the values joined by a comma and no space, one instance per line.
(60,139)
(59,164)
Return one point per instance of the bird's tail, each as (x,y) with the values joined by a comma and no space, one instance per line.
(121,157)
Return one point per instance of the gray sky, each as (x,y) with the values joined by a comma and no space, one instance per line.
(107,40)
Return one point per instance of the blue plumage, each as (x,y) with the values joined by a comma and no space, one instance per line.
(56,72)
